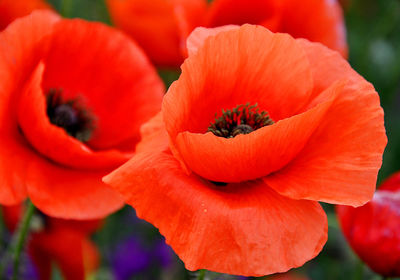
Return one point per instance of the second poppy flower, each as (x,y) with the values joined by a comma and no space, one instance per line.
(373,230)
(161,27)
(73,96)
(258,129)
(65,243)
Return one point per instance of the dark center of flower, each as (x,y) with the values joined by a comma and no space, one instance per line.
(70,115)
(219,184)
(243,119)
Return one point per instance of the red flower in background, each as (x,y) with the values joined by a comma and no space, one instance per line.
(288,276)
(316,20)
(63,242)
(373,230)
(161,27)
(13,9)
(73,96)
(258,129)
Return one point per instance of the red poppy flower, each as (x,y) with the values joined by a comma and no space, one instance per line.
(316,20)
(70,112)
(161,27)
(13,9)
(373,230)
(288,276)
(63,242)
(254,120)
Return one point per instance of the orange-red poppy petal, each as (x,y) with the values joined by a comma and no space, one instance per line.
(11,216)
(209,226)
(341,160)
(153,135)
(70,194)
(53,142)
(288,276)
(159,26)
(254,155)
(70,250)
(197,38)
(84,226)
(12,190)
(265,12)
(42,261)
(12,9)
(16,64)
(227,71)
(316,20)
(109,74)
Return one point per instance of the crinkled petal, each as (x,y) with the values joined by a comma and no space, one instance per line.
(19,55)
(227,71)
(197,38)
(47,138)
(108,74)
(253,155)
(341,160)
(68,193)
(245,229)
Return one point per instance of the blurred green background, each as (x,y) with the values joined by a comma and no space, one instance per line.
(373,29)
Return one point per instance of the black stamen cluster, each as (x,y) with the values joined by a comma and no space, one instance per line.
(69,115)
(243,119)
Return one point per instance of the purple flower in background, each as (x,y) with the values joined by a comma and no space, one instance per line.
(134,257)
(129,258)
(163,254)
(27,270)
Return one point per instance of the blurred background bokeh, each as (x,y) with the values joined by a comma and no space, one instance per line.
(133,249)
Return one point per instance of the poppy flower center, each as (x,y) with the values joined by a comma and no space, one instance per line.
(243,119)
(69,115)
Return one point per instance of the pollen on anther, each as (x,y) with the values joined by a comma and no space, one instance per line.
(243,119)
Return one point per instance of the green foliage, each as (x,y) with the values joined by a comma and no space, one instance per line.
(373,28)
(94,10)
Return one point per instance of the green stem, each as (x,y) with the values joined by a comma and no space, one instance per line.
(359,271)
(2,231)
(202,274)
(66,8)
(21,234)
(3,262)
